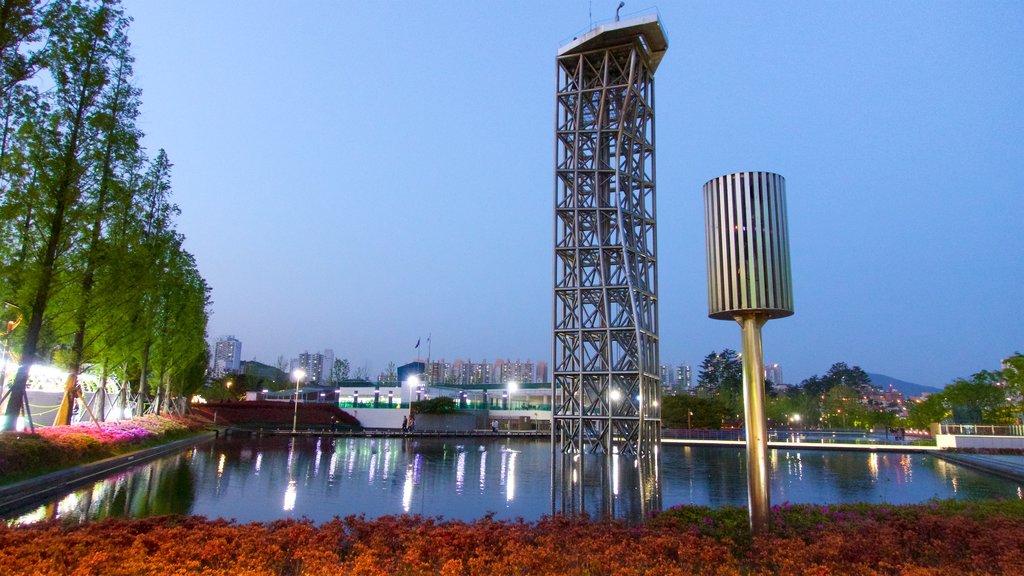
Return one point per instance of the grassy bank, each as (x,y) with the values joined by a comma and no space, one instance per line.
(24,455)
(931,539)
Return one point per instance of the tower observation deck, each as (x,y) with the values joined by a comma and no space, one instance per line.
(605,345)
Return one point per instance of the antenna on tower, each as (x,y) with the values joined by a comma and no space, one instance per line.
(621,4)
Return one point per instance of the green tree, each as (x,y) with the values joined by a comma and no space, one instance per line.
(439,405)
(921,414)
(977,400)
(339,372)
(721,376)
(78,57)
(685,411)
(1013,380)
(119,145)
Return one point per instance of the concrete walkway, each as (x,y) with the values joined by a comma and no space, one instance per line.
(807,445)
(1007,466)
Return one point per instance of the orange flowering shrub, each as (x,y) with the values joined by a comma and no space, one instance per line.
(936,539)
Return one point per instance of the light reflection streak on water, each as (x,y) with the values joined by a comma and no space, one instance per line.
(503,468)
(259,462)
(373,468)
(220,465)
(407,489)
(351,464)
(317,455)
(510,488)
(615,473)
(332,467)
(460,472)
(908,469)
(1020,493)
(289,496)
(483,471)
(67,504)
(873,466)
(388,454)
(37,515)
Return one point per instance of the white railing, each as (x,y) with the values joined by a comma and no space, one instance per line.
(981,430)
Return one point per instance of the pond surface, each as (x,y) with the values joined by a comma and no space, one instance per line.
(466,478)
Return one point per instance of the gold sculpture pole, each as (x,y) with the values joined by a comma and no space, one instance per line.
(749,282)
(757,427)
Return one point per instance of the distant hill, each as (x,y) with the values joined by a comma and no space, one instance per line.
(908,388)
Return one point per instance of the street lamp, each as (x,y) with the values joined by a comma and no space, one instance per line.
(8,327)
(413,382)
(299,374)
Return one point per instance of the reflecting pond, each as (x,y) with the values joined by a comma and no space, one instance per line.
(264,479)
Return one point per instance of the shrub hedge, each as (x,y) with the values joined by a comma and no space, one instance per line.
(942,538)
(23,454)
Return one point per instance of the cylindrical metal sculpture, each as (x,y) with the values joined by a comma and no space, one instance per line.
(749,281)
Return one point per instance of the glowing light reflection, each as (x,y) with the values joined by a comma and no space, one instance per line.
(259,462)
(67,504)
(483,470)
(220,465)
(873,465)
(615,473)
(373,468)
(460,472)
(37,515)
(407,489)
(289,496)
(510,488)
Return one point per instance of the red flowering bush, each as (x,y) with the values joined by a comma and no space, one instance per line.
(271,414)
(55,447)
(931,539)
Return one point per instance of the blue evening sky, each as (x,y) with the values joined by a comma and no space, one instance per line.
(358,175)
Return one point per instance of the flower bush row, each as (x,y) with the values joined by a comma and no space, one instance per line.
(51,448)
(267,413)
(937,539)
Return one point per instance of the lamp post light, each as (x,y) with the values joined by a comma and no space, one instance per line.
(8,327)
(749,282)
(299,374)
(512,387)
(414,383)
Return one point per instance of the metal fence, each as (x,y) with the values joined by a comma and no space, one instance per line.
(981,430)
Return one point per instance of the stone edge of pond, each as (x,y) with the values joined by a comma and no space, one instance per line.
(25,492)
(1007,468)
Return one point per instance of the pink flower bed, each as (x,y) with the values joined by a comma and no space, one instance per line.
(51,448)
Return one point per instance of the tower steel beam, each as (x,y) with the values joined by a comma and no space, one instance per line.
(605,325)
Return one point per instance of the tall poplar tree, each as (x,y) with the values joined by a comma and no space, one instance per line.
(78,55)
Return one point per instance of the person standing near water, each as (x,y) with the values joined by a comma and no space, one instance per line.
(405,424)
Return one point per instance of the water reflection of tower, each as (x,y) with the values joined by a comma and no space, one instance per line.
(605,345)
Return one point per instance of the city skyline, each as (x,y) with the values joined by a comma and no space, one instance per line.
(383,172)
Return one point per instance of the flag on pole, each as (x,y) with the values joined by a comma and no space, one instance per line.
(417,343)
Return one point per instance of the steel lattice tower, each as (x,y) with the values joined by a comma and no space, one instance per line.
(605,346)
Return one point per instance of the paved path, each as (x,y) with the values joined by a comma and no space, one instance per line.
(807,445)
(1008,466)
